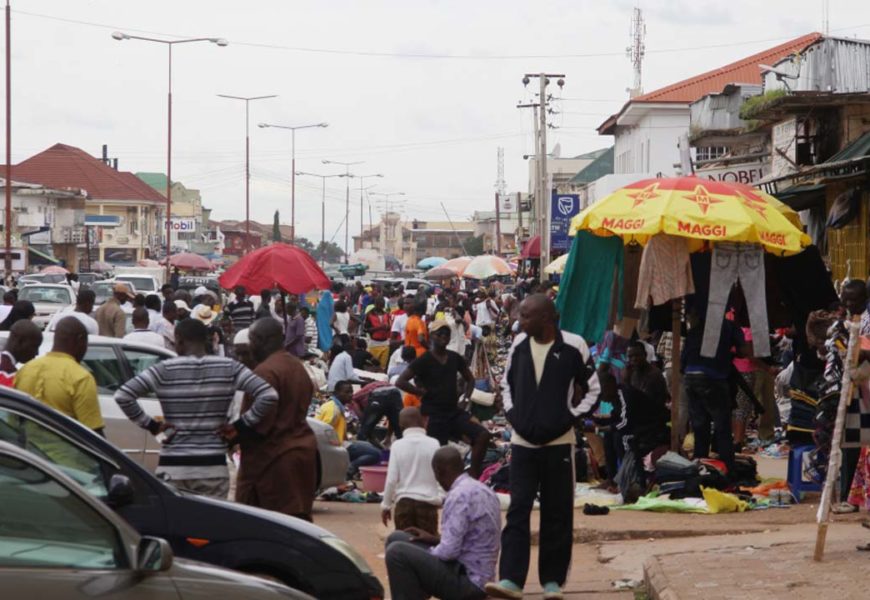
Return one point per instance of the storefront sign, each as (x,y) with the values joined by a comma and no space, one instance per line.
(507,203)
(747,173)
(563,209)
(182,224)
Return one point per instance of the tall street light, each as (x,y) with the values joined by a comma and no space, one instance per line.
(347,166)
(293,168)
(120,36)
(362,178)
(247,100)
(323,179)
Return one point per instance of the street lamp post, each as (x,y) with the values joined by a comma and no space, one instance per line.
(120,36)
(362,178)
(293,168)
(247,100)
(323,179)
(347,166)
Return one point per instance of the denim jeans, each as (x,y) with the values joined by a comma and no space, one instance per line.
(710,402)
(730,263)
(361,454)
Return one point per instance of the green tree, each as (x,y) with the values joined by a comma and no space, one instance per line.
(330,252)
(276,229)
(474,246)
(305,244)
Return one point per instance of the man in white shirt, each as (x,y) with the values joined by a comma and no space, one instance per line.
(411,486)
(140,332)
(81,310)
(397,331)
(485,309)
(341,368)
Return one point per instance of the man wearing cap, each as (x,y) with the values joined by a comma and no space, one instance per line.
(435,374)
(205,315)
(182,309)
(111,317)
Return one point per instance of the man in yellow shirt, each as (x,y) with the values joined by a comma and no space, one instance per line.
(58,380)
(331,412)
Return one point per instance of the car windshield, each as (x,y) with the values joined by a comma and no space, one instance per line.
(43,293)
(142,284)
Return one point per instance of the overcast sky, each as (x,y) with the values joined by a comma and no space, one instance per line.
(376,72)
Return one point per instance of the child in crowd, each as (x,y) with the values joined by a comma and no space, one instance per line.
(411,495)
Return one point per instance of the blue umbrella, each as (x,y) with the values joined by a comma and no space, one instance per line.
(432,261)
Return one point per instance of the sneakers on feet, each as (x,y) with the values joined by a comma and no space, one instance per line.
(504,589)
(552,591)
(844,508)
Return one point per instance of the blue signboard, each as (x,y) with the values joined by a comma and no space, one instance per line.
(564,207)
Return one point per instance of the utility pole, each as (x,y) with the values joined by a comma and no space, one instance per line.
(7,260)
(323,179)
(347,174)
(544,201)
(500,190)
(247,100)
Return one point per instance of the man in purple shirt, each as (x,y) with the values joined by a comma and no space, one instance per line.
(458,563)
(294,340)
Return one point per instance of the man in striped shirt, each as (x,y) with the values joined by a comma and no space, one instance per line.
(195,391)
(240,310)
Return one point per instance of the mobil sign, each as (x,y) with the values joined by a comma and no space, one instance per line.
(562,210)
(181,224)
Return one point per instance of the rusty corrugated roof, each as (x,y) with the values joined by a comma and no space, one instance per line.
(63,166)
(742,71)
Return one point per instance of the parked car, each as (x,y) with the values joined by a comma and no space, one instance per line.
(254,541)
(412,285)
(145,284)
(87,280)
(47,298)
(113,361)
(41,278)
(58,541)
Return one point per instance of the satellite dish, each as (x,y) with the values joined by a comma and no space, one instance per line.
(557,151)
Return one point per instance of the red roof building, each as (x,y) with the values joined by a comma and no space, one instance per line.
(694,88)
(131,211)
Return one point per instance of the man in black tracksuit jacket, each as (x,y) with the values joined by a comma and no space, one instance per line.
(549,382)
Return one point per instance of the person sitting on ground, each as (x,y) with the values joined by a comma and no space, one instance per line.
(435,377)
(22,346)
(362,358)
(332,412)
(462,559)
(58,379)
(195,391)
(411,487)
(81,310)
(341,368)
(141,332)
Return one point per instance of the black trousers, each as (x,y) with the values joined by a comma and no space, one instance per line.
(387,403)
(710,402)
(549,470)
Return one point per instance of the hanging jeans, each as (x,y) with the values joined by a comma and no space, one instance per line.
(732,262)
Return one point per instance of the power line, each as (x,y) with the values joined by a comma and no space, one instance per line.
(404,55)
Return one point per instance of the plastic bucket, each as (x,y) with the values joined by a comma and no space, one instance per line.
(374,478)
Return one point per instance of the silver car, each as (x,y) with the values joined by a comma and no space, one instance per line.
(58,541)
(47,298)
(113,361)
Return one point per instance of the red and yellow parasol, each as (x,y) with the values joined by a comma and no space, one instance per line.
(698,209)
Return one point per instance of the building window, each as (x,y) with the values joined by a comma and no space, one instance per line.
(710,152)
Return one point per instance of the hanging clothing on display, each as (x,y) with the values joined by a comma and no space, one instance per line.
(665,272)
(731,263)
(587,283)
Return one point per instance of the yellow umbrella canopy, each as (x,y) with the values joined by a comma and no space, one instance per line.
(698,209)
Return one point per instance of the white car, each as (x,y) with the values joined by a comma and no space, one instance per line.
(113,361)
(47,298)
(144,284)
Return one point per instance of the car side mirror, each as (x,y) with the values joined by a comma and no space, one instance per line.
(120,491)
(153,555)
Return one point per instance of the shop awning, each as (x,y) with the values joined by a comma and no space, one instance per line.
(532,248)
(802,197)
(35,257)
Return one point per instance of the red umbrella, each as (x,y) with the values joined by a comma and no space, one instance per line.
(188,260)
(532,248)
(277,265)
